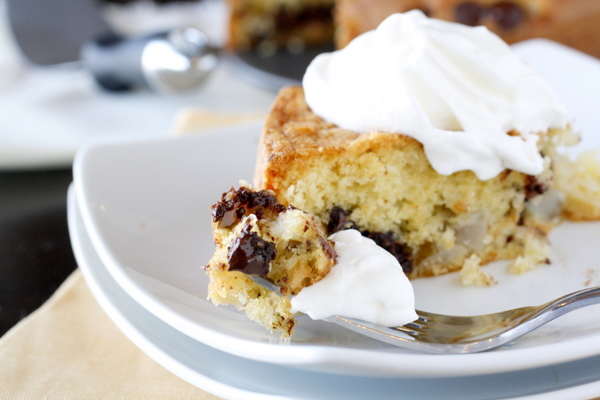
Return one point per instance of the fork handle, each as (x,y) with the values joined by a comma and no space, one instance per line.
(570,302)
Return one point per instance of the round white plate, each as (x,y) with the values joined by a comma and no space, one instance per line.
(52,111)
(238,378)
(146,207)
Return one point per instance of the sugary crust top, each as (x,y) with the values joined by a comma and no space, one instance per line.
(293,132)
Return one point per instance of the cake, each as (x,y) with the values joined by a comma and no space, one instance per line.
(400,188)
(267,25)
(344,274)
(383,185)
(573,23)
(579,180)
(255,235)
(445,153)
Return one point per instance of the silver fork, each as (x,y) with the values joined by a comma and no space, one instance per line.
(448,334)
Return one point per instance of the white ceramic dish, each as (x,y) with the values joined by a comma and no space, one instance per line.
(146,207)
(52,111)
(238,378)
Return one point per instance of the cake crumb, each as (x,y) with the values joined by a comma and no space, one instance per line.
(579,180)
(537,251)
(591,277)
(471,273)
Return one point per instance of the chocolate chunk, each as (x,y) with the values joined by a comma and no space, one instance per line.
(235,204)
(338,221)
(397,249)
(287,18)
(425,11)
(506,14)
(251,254)
(468,13)
(228,218)
(534,187)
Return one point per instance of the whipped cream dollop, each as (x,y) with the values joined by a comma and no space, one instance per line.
(458,90)
(366,283)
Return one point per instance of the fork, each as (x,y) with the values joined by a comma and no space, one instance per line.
(448,334)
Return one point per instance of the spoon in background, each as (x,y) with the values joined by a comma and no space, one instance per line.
(169,62)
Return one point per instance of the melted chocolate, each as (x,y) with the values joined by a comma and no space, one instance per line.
(287,19)
(235,204)
(251,254)
(468,13)
(338,221)
(506,14)
(534,187)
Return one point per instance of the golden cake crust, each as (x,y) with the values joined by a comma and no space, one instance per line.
(293,132)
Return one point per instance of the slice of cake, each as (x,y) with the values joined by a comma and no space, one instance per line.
(427,138)
(383,185)
(429,199)
(255,234)
(346,274)
(573,23)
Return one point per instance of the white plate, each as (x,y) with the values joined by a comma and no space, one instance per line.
(237,378)
(52,111)
(146,207)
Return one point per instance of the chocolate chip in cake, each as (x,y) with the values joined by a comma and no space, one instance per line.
(235,204)
(468,13)
(395,248)
(288,18)
(534,187)
(425,11)
(251,254)
(506,14)
(338,220)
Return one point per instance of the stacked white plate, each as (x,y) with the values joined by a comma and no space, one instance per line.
(139,217)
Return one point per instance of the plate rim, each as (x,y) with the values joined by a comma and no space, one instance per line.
(77,231)
(315,356)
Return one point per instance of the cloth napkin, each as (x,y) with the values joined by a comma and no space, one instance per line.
(70,349)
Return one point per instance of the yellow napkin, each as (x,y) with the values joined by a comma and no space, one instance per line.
(192,120)
(70,349)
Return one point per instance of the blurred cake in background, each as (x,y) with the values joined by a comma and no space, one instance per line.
(267,25)
(262,26)
(575,23)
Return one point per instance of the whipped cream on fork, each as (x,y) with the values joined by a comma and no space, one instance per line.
(366,283)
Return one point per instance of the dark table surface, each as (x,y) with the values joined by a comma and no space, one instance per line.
(35,251)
